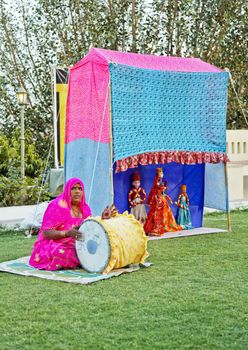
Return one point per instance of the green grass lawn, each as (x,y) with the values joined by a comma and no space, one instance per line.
(194,297)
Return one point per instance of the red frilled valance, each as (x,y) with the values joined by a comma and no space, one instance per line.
(181,157)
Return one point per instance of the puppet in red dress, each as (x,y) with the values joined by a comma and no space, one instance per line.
(136,198)
(160,218)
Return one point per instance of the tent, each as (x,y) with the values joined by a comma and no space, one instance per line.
(129,112)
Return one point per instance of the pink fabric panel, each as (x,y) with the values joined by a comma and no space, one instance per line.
(168,63)
(92,56)
(88,86)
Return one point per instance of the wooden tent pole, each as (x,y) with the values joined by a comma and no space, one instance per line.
(228,211)
(226,180)
(111,145)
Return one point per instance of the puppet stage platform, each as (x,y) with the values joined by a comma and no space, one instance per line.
(187,233)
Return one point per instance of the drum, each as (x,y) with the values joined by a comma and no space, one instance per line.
(111,244)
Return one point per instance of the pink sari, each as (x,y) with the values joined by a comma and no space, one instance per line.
(58,254)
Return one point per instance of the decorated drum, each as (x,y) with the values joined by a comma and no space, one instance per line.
(111,243)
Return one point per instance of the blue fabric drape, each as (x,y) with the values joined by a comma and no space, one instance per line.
(216,191)
(163,111)
(79,162)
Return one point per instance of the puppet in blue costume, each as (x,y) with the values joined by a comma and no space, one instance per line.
(184,217)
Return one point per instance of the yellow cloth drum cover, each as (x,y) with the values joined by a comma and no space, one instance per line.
(111,244)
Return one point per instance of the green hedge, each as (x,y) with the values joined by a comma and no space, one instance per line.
(21,191)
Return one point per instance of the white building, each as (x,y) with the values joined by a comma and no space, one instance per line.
(237,168)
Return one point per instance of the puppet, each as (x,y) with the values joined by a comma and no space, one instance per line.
(184,217)
(136,198)
(160,218)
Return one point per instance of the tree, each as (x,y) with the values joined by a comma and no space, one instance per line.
(10,160)
(45,33)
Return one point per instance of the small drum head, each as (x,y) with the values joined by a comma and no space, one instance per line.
(93,249)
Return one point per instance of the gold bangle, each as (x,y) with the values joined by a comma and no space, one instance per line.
(63,234)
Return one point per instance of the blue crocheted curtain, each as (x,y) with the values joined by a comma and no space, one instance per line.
(164,111)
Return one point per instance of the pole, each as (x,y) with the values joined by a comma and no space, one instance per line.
(227,201)
(55,116)
(111,147)
(226,181)
(22,138)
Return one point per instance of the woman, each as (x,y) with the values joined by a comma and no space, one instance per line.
(160,218)
(54,248)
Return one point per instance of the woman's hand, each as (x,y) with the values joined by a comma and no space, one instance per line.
(109,212)
(73,233)
(54,234)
